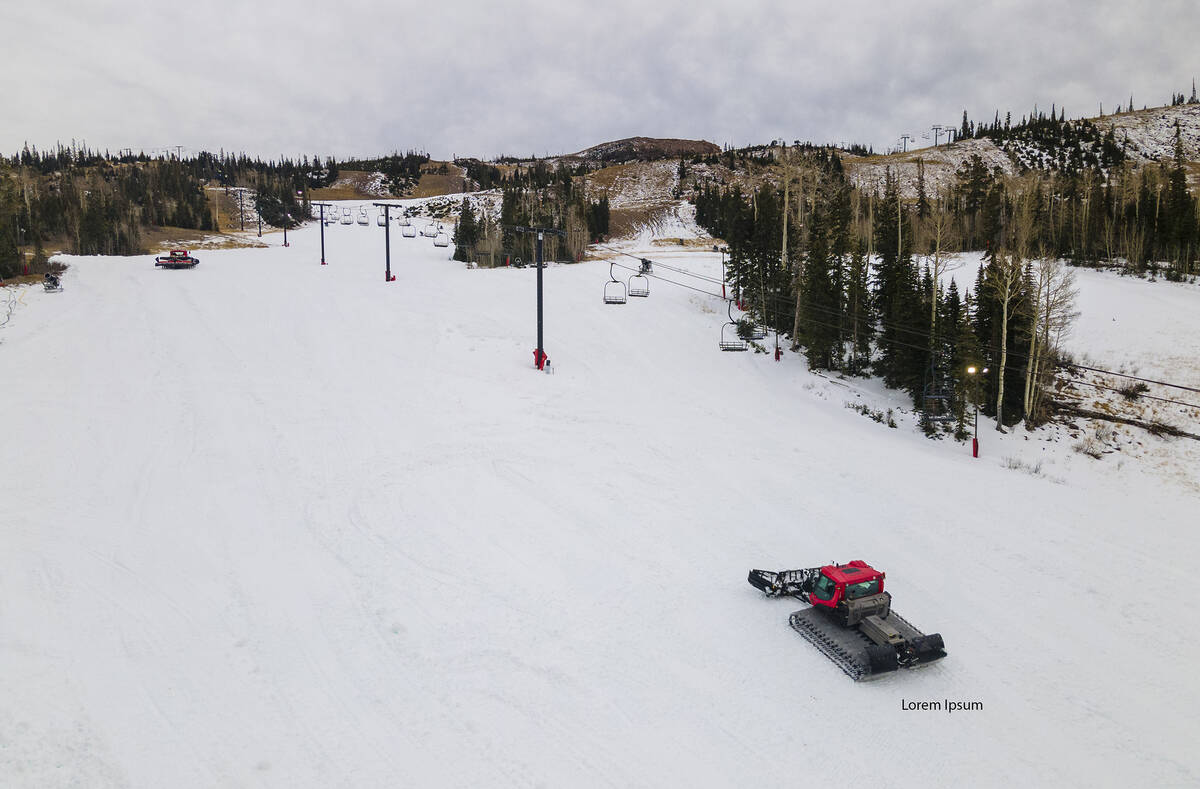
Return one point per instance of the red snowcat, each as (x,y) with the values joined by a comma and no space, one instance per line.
(851,620)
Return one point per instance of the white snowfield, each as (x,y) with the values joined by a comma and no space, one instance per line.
(267,523)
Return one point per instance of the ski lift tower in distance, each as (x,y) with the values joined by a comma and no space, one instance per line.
(723,251)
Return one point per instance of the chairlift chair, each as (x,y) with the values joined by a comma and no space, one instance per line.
(429,231)
(408,231)
(346,218)
(936,404)
(639,286)
(937,397)
(758,331)
(441,240)
(363,219)
(730,340)
(382,219)
(614,289)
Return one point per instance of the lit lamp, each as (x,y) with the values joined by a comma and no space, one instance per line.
(971,371)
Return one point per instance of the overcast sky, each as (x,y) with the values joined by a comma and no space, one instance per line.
(348,77)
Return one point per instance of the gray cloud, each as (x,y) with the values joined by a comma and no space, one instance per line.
(476,78)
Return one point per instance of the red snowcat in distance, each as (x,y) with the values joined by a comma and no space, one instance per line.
(179,258)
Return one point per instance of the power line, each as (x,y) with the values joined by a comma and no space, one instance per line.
(1126,375)
(1140,396)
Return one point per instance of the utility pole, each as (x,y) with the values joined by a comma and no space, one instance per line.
(21,244)
(539,354)
(387,242)
(323,206)
(241,211)
(783,256)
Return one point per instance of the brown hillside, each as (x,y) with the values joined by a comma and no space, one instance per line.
(644,149)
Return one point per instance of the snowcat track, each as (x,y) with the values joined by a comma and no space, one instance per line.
(848,648)
(832,643)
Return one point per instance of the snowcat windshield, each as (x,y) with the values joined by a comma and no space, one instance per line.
(823,588)
(855,591)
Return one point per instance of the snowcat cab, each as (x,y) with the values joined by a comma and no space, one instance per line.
(840,587)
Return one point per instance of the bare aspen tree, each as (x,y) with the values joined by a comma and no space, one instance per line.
(1054,296)
(798,267)
(940,229)
(1038,271)
(1086,192)
(1023,232)
(1004,277)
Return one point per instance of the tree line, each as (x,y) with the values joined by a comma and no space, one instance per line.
(856,278)
(94,203)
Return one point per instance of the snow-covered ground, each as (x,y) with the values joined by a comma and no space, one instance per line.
(271,523)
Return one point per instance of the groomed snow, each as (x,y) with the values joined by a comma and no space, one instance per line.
(271,523)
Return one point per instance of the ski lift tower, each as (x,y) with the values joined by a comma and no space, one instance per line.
(539,353)
(323,206)
(388,276)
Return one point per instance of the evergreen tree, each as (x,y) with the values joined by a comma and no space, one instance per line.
(859,313)
(898,304)
(466,233)
(1180,214)
(821,307)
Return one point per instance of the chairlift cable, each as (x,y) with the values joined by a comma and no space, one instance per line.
(1008,368)
(899,328)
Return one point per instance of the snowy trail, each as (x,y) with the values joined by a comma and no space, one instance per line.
(267,523)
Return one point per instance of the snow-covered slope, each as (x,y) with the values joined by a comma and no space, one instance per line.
(269,523)
(1144,135)
(1149,135)
(940,163)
